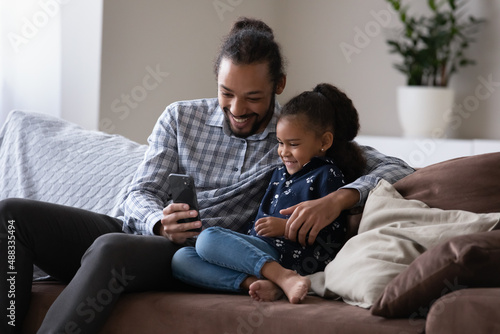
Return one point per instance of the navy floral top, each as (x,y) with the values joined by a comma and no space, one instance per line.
(316,179)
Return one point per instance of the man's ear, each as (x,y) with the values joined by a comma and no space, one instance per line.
(280,86)
(327,140)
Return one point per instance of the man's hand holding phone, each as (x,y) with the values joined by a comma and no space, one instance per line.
(170,228)
(180,219)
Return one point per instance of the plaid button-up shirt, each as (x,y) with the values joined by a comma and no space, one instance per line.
(231,173)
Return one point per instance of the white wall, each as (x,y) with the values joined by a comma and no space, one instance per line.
(181,38)
(318,30)
(81,41)
(483,119)
(51,51)
(155,52)
(325,27)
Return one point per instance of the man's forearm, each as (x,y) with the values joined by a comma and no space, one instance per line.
(379,166)
(345,198)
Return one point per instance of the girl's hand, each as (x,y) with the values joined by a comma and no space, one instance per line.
(270,227)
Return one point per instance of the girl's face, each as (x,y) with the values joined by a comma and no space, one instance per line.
(298,144)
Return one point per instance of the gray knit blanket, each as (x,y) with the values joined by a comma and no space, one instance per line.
(48,159)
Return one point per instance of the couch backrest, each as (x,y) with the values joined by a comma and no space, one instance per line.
(49,159)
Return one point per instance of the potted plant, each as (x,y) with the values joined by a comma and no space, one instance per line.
(432,49)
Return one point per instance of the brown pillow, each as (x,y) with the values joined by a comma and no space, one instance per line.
(469,183)
(466,261)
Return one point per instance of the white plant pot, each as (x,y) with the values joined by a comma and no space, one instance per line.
(424,111)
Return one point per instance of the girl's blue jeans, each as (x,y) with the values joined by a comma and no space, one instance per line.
(222,259)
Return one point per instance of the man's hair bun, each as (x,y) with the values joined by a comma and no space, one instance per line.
(245,23)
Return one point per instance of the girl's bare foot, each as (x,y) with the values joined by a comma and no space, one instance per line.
(295,287)
(264,291)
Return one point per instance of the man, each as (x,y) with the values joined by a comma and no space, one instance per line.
(227,144)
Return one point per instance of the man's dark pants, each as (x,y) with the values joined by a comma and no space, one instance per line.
(87,250)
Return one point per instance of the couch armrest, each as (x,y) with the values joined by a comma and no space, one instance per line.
(465,311)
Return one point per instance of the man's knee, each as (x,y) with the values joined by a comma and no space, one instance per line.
(9,207)
(146,258)
(121,247)
(11,212)
(110,245)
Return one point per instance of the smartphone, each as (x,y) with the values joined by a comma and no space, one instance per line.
(182,190)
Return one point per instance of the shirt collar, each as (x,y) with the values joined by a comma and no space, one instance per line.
(314,163)
(217,119)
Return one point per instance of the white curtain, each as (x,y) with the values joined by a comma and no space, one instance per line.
(30,53)
(2,79)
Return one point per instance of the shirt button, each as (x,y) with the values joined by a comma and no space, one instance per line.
(235,169)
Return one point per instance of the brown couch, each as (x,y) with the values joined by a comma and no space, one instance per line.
(451,288)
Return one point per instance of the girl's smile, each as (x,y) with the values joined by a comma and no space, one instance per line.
(298,143)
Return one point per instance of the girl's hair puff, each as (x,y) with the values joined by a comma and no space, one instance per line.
(329,109)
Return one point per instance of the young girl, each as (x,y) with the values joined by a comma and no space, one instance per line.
(314,129)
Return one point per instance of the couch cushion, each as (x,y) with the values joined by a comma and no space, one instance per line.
(469,183)
(218,313)
(463,262)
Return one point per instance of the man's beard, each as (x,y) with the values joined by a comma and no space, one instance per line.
(256,126)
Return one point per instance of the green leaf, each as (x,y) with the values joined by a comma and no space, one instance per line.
(432,5)
(452,4)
